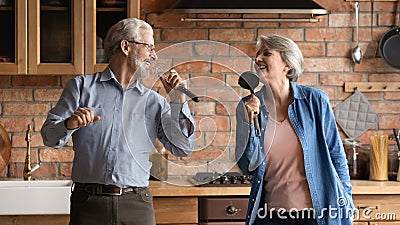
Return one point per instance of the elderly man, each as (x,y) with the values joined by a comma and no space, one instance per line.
(114,121)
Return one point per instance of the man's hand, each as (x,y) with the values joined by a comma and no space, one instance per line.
(171,80)
(80,118)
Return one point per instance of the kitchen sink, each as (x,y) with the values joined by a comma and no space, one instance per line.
(34,197)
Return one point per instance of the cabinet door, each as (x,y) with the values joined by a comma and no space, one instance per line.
(55,36)
(100,15)
(13,44)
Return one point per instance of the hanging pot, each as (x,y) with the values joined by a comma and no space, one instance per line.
(389,47)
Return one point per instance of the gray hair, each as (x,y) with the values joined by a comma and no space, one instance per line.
(126,29)
(288,50)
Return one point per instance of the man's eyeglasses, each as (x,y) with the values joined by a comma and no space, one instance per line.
(149,47)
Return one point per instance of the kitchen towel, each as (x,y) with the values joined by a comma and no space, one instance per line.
(355,115)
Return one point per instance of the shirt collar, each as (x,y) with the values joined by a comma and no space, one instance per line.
(107,75)
(297,91)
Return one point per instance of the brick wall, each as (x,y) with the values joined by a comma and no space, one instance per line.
(326,46)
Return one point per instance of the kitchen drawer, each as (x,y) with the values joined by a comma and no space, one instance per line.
(174,210)
(382,208)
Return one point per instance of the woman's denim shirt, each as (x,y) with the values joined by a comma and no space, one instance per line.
(324,158)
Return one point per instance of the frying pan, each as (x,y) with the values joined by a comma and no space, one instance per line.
(5,148)
(389,47)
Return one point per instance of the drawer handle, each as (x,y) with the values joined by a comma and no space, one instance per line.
(368,207)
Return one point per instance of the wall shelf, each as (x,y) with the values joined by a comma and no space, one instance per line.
(371,86)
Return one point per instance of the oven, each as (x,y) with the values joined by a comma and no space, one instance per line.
(222,210)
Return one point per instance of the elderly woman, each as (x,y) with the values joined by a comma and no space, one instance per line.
(298,162)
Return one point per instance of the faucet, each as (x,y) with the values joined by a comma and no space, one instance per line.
(27,168)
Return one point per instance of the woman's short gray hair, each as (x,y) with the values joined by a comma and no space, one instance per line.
(126,29)
(288,50)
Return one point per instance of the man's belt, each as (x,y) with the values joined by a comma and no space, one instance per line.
(101,189)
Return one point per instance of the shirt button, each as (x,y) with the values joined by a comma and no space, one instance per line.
(253,199)
(258,181)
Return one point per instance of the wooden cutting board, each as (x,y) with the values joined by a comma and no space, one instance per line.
(5,148)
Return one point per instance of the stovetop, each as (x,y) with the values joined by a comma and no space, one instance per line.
(217,179)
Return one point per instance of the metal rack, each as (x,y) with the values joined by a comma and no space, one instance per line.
(371,86)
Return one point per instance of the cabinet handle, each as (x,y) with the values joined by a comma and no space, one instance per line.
(368,207)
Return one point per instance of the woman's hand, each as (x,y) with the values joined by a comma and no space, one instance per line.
(80,118)
(170,81)
(252,107)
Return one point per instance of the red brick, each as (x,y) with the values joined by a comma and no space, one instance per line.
(207,80)
(38,123)
(369,95)
(348,20)
(232,80)
(36,81)
(387,77)
(328,90)
(172,50)
(387,19)
(166,20)
(241,49)
(232,34)
(218,24)
(259,25)
(327,64)
(209,48)
(374,65)
(386,107)
(204,108)
(45,171)
(389,121)
(5,81)
(183,34)
(307,79)
(343,49)
(213,123)
(47,94)
(15,124)
(328,34)
(295,34)
(338,79)
(312,49)
(226,108)
(224,94)
(19,155)
(231,64)
(15,95)
(56,155)
(220,139)
(66,170)
(25,109)
(392,96)
(191,65)
(207,154)
(18,140)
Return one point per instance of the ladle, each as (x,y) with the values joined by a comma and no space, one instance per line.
(357,52)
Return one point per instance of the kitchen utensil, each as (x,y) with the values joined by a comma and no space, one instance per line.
(5,148)
(378,167)
(389,46)
(396,137)
(355,115)
(357,54)
(373,45)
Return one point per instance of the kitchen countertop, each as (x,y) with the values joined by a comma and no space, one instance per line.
(177,188)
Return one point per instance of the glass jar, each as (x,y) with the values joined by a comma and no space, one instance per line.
(393,162)
(357,159)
